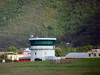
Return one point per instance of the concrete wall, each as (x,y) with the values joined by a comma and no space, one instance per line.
(41,54)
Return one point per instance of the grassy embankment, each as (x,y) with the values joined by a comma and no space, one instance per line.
(76,67)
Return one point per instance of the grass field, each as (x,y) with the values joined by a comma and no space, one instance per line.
(74,67)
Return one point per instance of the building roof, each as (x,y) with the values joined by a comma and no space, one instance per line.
(2,52)
(42,38)
(27,52)
(77,55)
(25,57)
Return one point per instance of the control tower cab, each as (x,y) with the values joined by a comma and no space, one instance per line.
(42,47)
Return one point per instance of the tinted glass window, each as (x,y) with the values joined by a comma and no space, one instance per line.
(42,42)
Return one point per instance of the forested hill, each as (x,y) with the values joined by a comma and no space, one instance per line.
(73,21)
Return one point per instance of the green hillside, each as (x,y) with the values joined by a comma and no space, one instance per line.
(73,21)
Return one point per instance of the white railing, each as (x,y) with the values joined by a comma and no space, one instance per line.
(42,47)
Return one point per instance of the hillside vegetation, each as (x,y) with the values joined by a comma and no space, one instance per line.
(73,21)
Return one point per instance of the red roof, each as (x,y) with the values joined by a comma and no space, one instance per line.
(2,52)
(21,54)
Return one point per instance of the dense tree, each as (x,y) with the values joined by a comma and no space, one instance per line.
(97,47)
(84,48)
(3,56)
(71,50)
(59,52)
(20,51)
(12,49)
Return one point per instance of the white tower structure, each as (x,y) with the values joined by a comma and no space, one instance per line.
(42,47)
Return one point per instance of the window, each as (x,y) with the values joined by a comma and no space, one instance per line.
(89,55)
(94,54)
(35,53)
(42,42)
(99,54)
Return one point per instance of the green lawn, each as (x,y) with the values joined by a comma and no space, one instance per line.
(74,67)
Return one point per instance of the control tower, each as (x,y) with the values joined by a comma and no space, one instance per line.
(42,47)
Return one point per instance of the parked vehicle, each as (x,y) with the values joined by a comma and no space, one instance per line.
(38,59)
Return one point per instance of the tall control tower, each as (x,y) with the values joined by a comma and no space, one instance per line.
(42,47)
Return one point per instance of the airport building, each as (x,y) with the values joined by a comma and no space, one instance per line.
(42,48)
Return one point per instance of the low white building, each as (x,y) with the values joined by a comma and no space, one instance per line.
(15,56)
(76,55)
(94,53)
